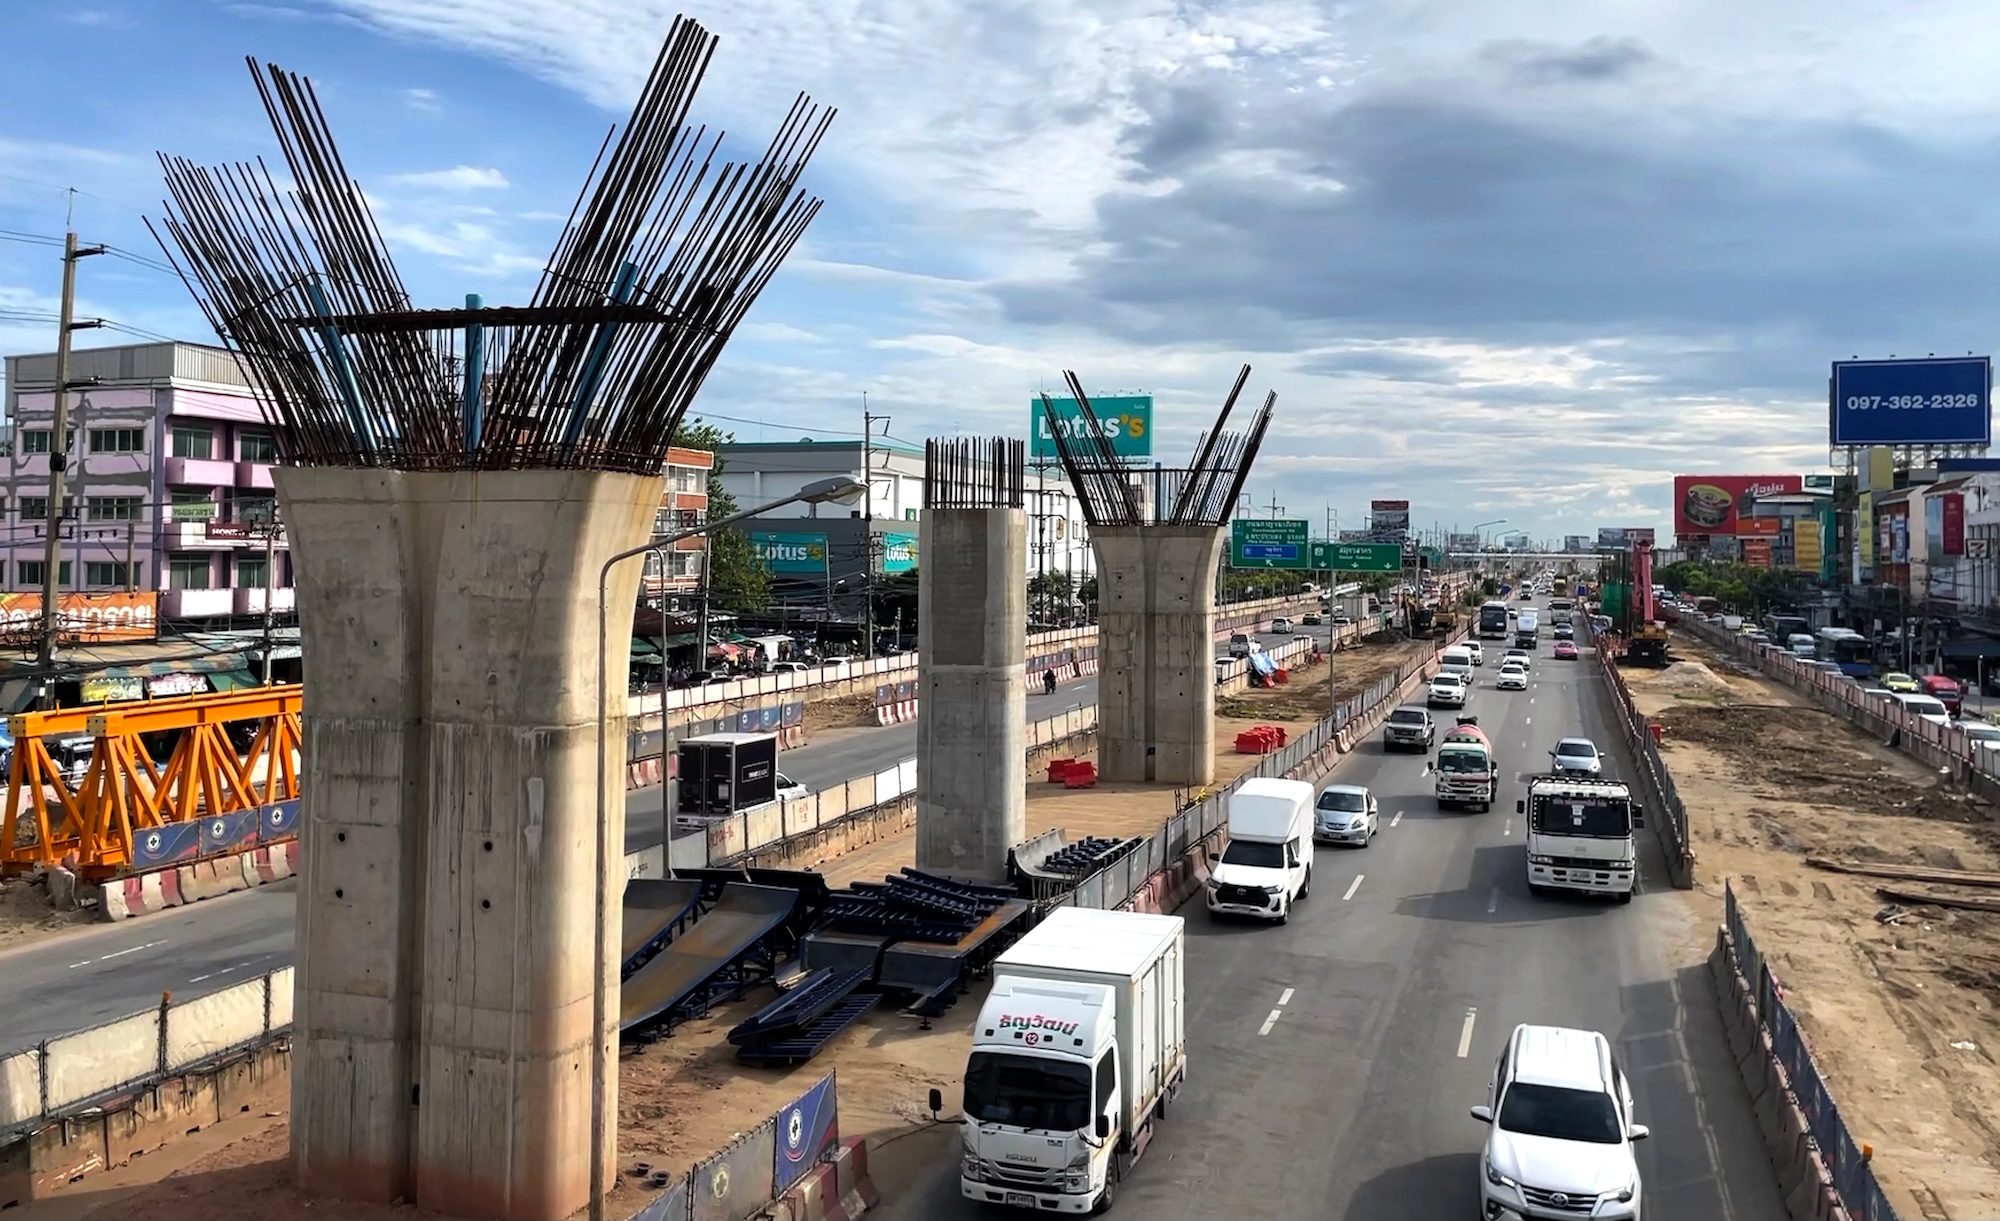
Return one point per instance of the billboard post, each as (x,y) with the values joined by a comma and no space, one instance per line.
(1933,401)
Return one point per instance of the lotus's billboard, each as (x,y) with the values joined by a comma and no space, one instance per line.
(1713,504)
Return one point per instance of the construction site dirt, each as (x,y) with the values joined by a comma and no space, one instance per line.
(681,1097)
(1898,1002)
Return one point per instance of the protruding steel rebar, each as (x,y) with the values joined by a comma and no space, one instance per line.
(1109,489)
(963,473)
(664,253)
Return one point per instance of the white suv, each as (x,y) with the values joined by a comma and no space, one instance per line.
(1561,1145)
(1478,653)
(1446,691)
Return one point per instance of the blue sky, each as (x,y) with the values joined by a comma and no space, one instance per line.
(1524,260)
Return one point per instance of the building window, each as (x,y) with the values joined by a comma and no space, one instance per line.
(250,572)
(193,441)
(117,440)
(36,440)
(687,479)
(107,574)
(114,508)
(31,573)
(256,447)
(686,563)
(189,572)
(256,507)
(36,508)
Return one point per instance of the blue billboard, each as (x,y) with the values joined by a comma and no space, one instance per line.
(1933,401)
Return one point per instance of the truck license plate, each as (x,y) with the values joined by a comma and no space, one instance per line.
(1016,1199)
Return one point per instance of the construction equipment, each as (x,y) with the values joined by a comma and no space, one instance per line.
(1645,636)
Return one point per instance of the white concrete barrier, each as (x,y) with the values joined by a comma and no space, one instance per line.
(212,1024)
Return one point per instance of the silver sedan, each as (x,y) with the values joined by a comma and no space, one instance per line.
(1346,814)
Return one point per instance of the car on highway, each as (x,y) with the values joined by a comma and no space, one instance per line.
(1527,595)
(1900,683)
(1240,645)
(1311,620)
(1924,706)
(1565,650)
(1578,756)
(1565,631)
(1526,658)
(1945,690)
(1346,814)
(1513,677)
(1409,726)
(1447,690)
(1280,625)
(1478,652)
(1562,1124)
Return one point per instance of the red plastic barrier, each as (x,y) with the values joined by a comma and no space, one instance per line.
(1080,775)
(1059,769)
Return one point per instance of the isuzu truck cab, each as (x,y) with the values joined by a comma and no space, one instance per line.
(1079,1046)
(1580,835)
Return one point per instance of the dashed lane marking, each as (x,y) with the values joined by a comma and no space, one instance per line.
(1465,1033)
(1352,887)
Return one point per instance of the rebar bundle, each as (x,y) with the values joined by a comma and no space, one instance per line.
(663,254)
(963,473)
(1112,492)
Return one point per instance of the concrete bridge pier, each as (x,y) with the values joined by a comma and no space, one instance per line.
(1156,651)
(443,1024)
(972,614)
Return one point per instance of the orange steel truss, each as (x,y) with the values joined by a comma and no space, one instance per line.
(124,791)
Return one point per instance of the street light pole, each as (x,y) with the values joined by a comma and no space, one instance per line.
(839,489)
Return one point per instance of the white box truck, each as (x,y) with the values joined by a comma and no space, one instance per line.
(1267,865)
(1079,1046)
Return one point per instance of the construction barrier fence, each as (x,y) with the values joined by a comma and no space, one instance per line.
(1853,1177)
(1658,794)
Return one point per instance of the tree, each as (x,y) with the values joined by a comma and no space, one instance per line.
(737,578)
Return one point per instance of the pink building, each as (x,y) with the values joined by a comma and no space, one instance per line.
(169,482)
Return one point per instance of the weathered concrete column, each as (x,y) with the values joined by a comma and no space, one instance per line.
(489,870)
(364,552)
(1156,652)
(972,615)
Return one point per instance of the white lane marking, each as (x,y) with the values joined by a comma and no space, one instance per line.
(212,974)
(1270,1022)
(1465,1033)
(1285,997)
(1352,887)
(1527,720)
(1398,818)
(134,949)
(1493,901)
(1531,699)
(1507,828)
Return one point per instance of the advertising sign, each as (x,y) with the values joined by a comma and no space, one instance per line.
(1461,542)
(1819,483)
(1806,553)
(1757,552)
(1758,527)
(1270,544)
(796,554)
(1899,538)
(1934,401)
(112,690)
(90,618)
(1388,520)
(1710,504)
(1574,543)
(1864,530)
(1934,529)
(1364,557)
(1354,536)
(1611,538)
(1953,522)
(1127,421)
(899,553)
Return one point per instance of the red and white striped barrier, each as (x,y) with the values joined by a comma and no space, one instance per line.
(271,863)
(123,898)
(895,712)
(837,1189)
(643,773)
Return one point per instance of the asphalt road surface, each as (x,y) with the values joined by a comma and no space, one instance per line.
(107,971)
(1395,985)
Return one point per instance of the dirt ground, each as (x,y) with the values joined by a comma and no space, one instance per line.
(1901,1008)
(25,913)
(683,1097)
(847,712)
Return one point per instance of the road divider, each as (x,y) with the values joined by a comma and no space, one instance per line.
(1656,783)
(1823,1173)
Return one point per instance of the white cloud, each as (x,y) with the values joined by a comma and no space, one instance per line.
(457,178)
(423,101)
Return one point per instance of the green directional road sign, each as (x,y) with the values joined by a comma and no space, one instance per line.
(1359,557)
(1270,544)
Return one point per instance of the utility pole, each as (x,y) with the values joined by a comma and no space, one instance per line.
(58,461)
(868,527)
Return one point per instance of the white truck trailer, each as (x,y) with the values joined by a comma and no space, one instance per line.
(1078,1048)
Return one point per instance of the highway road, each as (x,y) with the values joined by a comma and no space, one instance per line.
(101,972)
(1393,988)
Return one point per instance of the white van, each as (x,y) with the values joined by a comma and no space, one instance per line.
(1802,644)
(1268,864)
(1930,708)
(1457,660)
